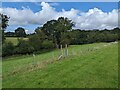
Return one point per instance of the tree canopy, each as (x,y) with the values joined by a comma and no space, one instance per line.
(3,25)
(20,32)
(4,21)
(54,29)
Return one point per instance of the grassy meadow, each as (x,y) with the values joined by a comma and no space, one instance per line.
(86,66)
(13,40)
(59,45)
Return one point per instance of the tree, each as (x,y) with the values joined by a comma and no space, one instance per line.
(20,32)
(37,39)
(4,21)
(3,25)
(23,47)
(54,29)
(47,44)
(9,34)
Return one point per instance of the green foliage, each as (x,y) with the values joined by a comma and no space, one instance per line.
(36,42)
(37,39)
(2,38)
(7,49)
(3,25)
(40,42)
(92,36)
(9,34)
(4,21)
(65,38)
(55,28)
(23,47)
(47,44)
(20,32)
(57,32)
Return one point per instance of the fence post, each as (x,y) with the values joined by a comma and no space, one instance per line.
(66,50)
(73,52)
(61,50)
(34,63)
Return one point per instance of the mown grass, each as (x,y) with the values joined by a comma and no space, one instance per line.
(91,66)
(13,40)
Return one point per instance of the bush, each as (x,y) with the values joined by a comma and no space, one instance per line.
(7,49)
(47,44)
(36,42)
(23,47)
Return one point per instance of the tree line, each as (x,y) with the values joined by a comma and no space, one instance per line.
(53,34)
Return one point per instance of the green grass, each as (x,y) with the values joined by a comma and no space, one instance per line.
(13,40)
(92,66)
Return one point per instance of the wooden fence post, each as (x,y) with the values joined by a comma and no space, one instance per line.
(34,62)
(66,48)
(61,50)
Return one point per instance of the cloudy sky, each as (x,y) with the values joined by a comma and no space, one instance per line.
(97,15)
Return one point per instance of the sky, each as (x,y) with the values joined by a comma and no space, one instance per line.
(85,15)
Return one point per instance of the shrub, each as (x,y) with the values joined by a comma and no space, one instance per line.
(7,49)
(23,47)
(36,42)
(47,44)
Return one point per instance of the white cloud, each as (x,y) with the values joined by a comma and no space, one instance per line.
(97,19)
(26,31)
(54,4)
(92,19)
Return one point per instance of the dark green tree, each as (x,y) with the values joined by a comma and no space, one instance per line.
(9,34)
(37,39)
(54,29)
(23,47)
(20,32)
(7,49)
(3,25)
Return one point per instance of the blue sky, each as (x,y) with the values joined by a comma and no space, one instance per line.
(83,6)
(105,7)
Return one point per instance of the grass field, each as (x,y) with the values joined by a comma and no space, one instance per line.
(91,66)
(13,40)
